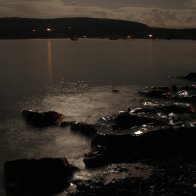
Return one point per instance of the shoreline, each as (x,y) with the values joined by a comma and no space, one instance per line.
(141,151)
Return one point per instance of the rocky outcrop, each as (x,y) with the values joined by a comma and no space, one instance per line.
(186,93)
(126,120)
(42,118)
(46,175)
(157,141)
(154,130)
(86,129)
(190,76)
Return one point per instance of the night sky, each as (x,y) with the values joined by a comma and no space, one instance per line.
(161,13)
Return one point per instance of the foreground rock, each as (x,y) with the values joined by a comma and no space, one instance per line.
(168,177)
(148,142)
(42,118)
(47,175)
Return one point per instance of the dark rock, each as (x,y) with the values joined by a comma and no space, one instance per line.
(67,123)
(174,88)
(169,176)
(99,156)
(188,88)
(151,108)
(190,76)
(42,118)
(126,120)
(47,175)
(115,91)
(145,110)
(128,186)
(185,95)
(157,142)
(163,88)
(80,127)
(84,128)
(175,108)
(188,95)
(155,93)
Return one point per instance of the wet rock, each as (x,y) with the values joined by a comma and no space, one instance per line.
(83,128)
(126,120)
(42,118)
(156,93)
(99,156)
(188,88)
(185,95)
(157,141)
(67,123)
(128,186)
(150,107)
(190,76)
(115,91)
(170,176)
(143,111)
(175,108)
(163,88)
(80,127)
(46,175)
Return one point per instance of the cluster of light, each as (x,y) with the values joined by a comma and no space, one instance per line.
(49,29)
(150,35)
(34,30)
(138,132)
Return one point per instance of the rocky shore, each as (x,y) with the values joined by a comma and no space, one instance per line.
(148,150)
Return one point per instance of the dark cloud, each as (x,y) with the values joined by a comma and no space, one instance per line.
(170,4)
(165,13)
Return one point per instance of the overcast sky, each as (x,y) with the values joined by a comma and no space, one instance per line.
(163,13)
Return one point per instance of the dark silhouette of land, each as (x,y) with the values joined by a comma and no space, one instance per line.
(18,28)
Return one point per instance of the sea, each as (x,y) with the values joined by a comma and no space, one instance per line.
(77,79)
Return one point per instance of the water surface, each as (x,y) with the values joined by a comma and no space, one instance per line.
(76,78)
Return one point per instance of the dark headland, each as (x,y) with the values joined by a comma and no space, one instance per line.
(19,28)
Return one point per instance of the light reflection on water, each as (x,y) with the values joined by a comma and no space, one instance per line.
(43,74)
(50,65)
(77,102)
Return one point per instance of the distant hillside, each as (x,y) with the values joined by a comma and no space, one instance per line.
(85,27)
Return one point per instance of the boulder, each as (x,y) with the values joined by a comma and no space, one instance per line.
(155,142)
(156,93)
(181,94)
(86,129)
(67,123)
(126,120)
(83,128)
(190,76)
(42,118)
(164,108)
(46,175)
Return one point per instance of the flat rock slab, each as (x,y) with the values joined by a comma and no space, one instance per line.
(37,175)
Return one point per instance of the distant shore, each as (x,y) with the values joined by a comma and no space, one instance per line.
(75,28)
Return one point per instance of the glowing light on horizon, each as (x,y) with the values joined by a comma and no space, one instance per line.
(49,29)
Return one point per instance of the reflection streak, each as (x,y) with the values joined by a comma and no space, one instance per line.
(50,68)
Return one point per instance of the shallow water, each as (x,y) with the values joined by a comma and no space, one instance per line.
(76,78)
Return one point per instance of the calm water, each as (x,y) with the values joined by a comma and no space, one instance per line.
(76,78)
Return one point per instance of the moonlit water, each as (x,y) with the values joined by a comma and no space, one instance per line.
(76,78)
